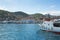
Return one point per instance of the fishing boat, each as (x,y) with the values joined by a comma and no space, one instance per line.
(52,25)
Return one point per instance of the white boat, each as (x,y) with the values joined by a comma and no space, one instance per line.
(52,25)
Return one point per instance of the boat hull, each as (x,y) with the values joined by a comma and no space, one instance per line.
(50,29)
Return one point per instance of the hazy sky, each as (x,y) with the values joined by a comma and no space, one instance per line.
(32,6)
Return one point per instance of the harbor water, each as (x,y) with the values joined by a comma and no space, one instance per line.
(25,32)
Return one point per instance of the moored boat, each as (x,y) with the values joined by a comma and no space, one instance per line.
(52,25)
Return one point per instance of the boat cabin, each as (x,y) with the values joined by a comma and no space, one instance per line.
(56,23)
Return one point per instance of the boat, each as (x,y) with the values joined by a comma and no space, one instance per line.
(51,25)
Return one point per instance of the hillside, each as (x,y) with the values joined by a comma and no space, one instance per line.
(20,13)
(37,15)
(6,15)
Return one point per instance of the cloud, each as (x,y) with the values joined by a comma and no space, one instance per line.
(54,12)
(9,5)
(2,8)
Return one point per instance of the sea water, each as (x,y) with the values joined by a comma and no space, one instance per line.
(25,32)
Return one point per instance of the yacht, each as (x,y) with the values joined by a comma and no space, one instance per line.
(52,25)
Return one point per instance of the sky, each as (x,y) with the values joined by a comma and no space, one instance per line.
(32,6)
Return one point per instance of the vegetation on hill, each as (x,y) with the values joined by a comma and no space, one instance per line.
(37,15)
(20,14)
(6,15)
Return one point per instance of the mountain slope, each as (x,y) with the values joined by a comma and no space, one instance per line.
(20,13)
(6,15)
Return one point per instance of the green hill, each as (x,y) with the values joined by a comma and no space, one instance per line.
(37,15)
(6,15)
(21,14)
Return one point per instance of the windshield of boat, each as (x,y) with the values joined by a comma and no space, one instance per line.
(56,23)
